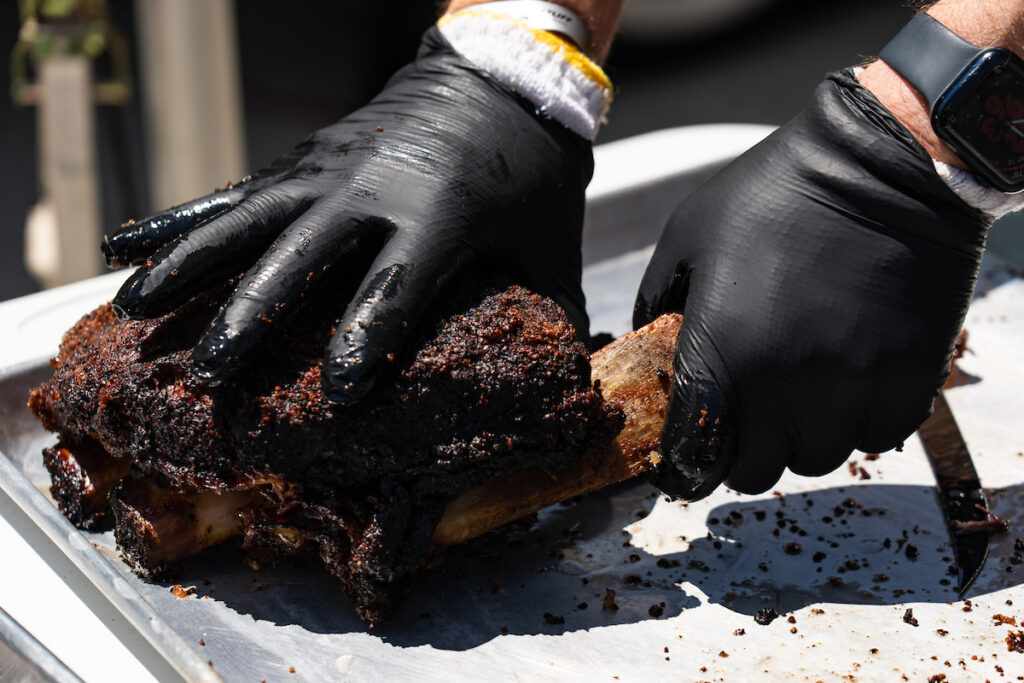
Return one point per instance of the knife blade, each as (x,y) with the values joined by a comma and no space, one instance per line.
(964,504)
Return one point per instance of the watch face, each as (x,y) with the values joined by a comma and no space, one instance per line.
(981,116)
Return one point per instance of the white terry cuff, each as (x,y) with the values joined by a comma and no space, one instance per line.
(541,66)
(985,199)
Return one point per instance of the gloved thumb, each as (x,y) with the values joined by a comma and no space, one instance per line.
(698,440)
(692,437)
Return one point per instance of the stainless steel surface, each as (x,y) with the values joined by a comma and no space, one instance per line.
(25,659)
(960,494)
(25,481)
(483,609)
(526,603)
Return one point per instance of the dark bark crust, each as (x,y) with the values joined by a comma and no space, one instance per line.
(495,386)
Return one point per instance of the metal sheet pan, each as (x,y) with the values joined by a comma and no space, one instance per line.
(842,557)
(527,602)
(25,659)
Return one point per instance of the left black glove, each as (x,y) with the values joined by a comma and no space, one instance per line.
(444,168)
(824,276)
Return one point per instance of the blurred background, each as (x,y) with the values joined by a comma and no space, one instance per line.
(118,108)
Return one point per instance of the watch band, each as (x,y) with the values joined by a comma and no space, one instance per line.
(929,55)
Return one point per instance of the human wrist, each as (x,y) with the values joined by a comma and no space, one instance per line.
(998,23)
(908,107)
(916,73)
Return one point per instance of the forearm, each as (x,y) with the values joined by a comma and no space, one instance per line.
(601,17)
(992,23)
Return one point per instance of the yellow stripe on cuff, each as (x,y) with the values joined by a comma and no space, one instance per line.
(561,46)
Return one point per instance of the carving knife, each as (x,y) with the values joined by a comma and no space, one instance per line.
(964,504)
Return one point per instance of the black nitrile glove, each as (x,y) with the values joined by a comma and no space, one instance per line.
(444,168)
(824,276)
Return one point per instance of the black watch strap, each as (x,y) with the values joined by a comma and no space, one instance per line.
(929,55)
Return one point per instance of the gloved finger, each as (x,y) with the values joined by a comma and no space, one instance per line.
(274,286)
(391,301)
(698,441)
(225,245)
(761,454)
(136,241)
(827,438)
(890,422)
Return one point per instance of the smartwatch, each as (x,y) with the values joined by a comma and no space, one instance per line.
(975,96)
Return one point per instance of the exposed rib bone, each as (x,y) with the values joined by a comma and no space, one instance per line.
(157,528)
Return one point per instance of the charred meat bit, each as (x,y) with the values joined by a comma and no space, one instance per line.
(608,600)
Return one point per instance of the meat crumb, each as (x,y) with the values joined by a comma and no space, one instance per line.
(552,619)
(942,631)
(656,610)
(937,678)
(608,601)
(179,592)
(792,549)
(202,643)
(1015,641)
(874,650)
(723,653)
(739,632)
(291,669)
(766,616)
(908,617)
(1003,619)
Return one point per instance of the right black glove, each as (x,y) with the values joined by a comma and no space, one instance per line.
(824,277)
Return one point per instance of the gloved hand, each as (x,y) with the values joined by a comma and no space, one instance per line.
(824,276)
(446,167)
